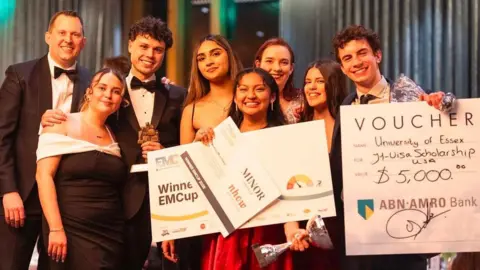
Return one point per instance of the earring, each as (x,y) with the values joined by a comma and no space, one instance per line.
(271,105)
(236,107)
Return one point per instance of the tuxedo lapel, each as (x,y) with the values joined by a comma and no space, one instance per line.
(79,87)
(336,129)
(42,83)
(159,104)
(130,113)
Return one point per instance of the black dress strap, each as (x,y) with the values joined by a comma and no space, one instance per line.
(193,112)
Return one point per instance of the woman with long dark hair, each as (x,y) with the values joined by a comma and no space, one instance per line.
(255,106)
(324,89)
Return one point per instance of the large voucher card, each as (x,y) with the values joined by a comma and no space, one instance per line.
(411,180)
(296,157)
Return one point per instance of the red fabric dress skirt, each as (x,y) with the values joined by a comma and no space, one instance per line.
(235,252)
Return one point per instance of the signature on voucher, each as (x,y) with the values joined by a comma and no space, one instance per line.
(409,223)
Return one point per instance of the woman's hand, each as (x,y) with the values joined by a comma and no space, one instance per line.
(296,236)
(205,135)
(57,245)
(168,249)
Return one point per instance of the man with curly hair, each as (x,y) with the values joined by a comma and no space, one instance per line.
(150,102)
(358,51)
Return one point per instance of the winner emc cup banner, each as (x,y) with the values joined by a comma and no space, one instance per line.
(294,169)
(410,178)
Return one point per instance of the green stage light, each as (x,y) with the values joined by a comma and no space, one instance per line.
(7,10)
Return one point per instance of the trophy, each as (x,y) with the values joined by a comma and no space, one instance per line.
(148,133)
(317,232)
(406,90)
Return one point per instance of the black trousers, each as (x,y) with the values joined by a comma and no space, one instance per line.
(138,237)
(17,244)
(385,262)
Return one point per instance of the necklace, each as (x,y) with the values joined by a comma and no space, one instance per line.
(224,108)
(94,127)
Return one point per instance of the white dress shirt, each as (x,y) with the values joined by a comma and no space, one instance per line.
(381,90)
(62,87)
(142,101)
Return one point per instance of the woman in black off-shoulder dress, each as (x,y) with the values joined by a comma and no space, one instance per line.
(80,175)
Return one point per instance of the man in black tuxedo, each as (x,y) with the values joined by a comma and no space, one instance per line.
(150,102)
(29,89)
(358,51)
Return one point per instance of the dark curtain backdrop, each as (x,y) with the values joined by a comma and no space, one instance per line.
(434,42)
(22,36)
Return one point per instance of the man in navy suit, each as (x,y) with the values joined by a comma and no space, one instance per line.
(54,81)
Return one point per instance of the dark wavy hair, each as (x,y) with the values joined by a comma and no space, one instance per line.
(275,116)
(290,92)
(355,32)
(153,27)
(120,63)
(335,87)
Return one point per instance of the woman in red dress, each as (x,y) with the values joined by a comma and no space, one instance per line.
(255,106)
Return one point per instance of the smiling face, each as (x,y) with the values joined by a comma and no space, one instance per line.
(212,61)
(252,96)
(105,94)
(146,55)
(360,63)
(65,40)
(314,88)
(277,61)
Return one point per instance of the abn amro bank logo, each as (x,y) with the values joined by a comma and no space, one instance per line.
(365,208)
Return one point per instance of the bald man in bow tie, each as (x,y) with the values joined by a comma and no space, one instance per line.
(54,81)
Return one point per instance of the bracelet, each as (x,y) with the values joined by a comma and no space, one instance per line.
(57,230)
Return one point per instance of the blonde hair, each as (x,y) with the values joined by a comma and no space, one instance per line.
(96,79)
(199,85)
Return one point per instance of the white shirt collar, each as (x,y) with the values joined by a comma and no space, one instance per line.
(52,64)
(130,76)
(378,90)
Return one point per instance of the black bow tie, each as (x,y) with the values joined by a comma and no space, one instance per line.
(364,99)
(149,86)
(72,74)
